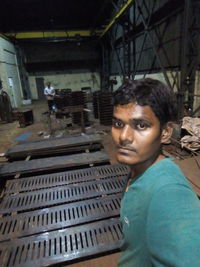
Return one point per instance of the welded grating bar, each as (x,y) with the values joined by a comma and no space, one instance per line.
(64,178)
(62,245)
(62,194)
(59,217)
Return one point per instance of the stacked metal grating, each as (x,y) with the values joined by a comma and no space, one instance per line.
(96,104)
(79,98)
(103,107)
(63,98)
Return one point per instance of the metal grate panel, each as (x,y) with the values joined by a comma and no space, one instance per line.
(62,194)
(59,217)
(63,245)
(50,163)
(64,178)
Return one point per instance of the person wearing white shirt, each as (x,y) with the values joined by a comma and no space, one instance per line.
(49,92)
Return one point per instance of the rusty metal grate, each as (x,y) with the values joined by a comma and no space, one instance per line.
(62,245)
(59,217)
(64,178)
(62,194)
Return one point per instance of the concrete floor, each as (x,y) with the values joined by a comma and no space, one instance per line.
(10,131)
(44,127)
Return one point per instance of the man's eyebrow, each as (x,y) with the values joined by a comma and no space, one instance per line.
(142,119)
(115,118)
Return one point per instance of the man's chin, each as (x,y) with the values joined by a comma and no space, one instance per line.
(125,160)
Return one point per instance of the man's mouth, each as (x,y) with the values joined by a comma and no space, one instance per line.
(126,149)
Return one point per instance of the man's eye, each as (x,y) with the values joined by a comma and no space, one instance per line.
(117,124)
(141,126)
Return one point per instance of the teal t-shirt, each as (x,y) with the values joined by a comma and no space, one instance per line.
(160,216)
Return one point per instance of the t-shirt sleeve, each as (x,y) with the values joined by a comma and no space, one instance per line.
(173,227)
(52,91)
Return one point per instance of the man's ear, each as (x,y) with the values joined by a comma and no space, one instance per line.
(167,133)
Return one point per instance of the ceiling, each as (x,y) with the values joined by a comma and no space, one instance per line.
(54,15)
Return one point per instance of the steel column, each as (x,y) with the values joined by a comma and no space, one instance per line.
(127,45)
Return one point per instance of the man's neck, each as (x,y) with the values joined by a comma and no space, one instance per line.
(142,167)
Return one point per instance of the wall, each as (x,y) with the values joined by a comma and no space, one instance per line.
(9,69)
(74,81)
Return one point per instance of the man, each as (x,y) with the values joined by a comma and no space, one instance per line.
(49,92)
(160,213)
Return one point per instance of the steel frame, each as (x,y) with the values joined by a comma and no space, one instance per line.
(190,53)
(180,77)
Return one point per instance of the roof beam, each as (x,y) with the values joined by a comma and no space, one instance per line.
(117,16)
(49,34)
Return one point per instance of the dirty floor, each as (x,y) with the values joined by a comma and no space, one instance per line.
(45,126)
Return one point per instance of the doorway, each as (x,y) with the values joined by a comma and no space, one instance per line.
(40,88)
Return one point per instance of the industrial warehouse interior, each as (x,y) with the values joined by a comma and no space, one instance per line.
(60,181)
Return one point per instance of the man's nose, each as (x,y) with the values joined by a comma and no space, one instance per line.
(127,135)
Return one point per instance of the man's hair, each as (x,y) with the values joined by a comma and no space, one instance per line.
(148,92)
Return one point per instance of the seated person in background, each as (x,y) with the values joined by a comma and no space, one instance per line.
(49,92)
(160,212)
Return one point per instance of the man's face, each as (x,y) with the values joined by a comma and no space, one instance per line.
(136,133)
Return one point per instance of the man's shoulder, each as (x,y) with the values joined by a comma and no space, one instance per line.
(164,173)
(164,167)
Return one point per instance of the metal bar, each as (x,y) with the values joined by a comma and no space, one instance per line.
(63,245)
(45,146)
(62,216)
(48,164)
(117,16)
(126,45)
(49,34)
